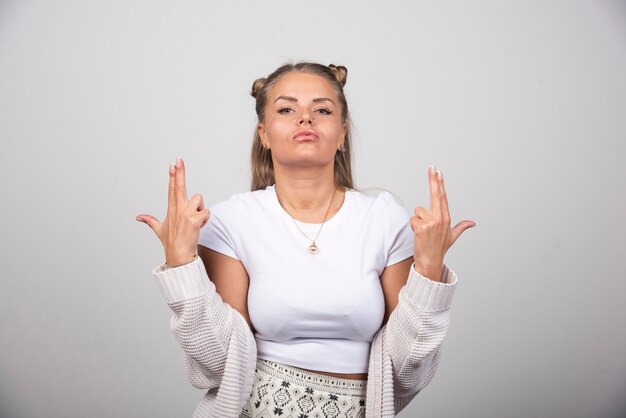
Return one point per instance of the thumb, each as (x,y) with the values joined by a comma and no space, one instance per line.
(460,228)
(151,221)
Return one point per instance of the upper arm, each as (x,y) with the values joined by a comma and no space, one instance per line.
(230,279)
(392,279)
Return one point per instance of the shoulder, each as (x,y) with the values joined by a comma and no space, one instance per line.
(240,203)
(231,218)
(242,210)
(377,201)
(388,221)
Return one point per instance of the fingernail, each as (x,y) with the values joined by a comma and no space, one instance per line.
(138,219)
(172,169)
(439,174)
(177,161)
(432,169)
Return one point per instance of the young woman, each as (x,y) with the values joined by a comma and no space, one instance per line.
(308,298)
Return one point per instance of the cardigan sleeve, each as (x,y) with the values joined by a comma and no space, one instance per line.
(415,332)
(220,351)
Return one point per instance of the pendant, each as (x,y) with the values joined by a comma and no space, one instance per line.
(313,248)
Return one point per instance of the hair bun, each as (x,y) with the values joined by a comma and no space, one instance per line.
(340,72)
(257,86)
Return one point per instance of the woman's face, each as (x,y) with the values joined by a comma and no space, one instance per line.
(303,124)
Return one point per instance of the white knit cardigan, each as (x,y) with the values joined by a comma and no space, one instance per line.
(220,350)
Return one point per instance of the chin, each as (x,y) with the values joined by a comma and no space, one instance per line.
(306,161)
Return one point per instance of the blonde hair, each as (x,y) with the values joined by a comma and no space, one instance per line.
(262,168)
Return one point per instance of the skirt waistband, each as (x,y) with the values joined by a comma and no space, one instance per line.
(313,380)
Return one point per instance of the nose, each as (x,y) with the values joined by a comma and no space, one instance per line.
(305,117)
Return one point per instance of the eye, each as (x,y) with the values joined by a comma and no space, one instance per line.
(324,111)
(285,110)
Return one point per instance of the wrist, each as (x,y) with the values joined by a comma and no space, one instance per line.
(179,256)
(173,264)
(433,273)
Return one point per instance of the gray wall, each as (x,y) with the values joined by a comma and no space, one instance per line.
(521,104)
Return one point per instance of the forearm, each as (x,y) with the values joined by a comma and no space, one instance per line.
(417,328)
(208,330)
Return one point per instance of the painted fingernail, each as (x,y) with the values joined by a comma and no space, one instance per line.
(172,169)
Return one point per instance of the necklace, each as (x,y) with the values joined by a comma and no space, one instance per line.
(313,248)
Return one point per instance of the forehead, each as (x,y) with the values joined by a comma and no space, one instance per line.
(304,85)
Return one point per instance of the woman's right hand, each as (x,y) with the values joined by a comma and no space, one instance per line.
(180,231)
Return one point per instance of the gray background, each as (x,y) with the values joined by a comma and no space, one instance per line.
(520,104)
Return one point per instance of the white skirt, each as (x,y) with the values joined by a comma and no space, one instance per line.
(289,392)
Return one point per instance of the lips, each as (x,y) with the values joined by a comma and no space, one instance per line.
(308,135)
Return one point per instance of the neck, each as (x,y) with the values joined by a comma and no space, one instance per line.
(306,195)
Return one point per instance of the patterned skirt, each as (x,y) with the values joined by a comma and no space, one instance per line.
(289,392)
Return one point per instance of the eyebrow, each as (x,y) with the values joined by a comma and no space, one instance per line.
(293,99)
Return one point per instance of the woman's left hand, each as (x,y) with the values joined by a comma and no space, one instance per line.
(433,235)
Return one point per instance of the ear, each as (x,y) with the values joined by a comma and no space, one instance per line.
(344,131)
(263,135)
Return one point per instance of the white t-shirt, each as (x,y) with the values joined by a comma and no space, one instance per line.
(321,311)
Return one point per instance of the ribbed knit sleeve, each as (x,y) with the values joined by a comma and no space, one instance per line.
(405,352)
(220,351)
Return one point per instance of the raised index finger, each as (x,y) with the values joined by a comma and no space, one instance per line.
(181,187)
(171,190)
(435,203)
